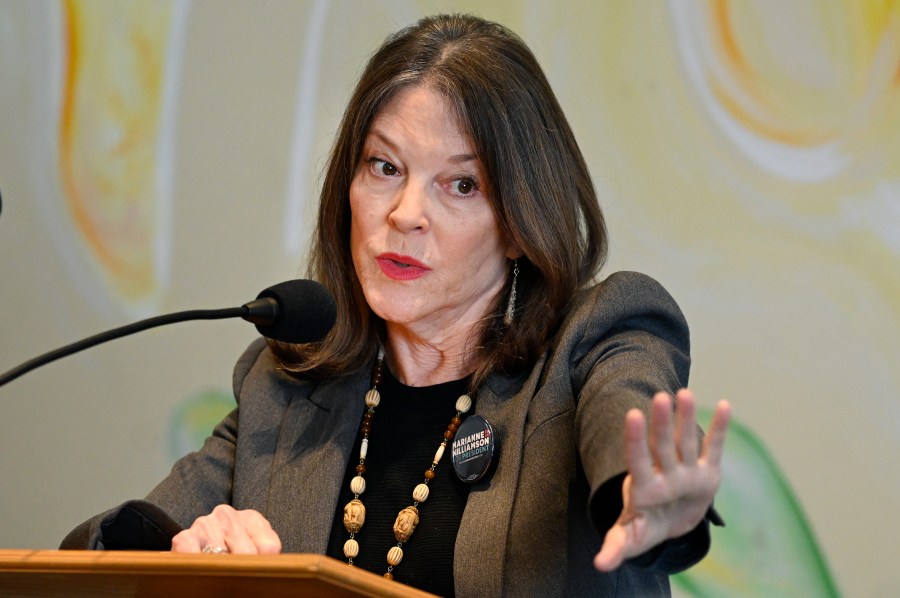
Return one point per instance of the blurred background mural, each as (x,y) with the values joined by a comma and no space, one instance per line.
(164,155)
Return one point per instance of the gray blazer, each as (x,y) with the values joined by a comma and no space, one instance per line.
(527,530)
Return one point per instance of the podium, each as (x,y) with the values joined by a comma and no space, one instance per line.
(52,573)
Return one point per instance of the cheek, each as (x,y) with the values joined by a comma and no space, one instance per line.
(485,242)
(478,254)
(358,252)
(353,199)
(363,215)
(357,231)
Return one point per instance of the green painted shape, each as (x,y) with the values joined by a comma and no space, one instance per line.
(767,547)
(193,421)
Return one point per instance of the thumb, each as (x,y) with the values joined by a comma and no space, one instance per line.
(612,553)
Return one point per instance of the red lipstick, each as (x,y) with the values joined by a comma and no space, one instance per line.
(401,267)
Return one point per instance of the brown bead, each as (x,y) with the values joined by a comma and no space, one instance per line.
(448,434)
(360,469)
(453,428)
(389,576)
(429,474)
(367,417)
(365,429)
(456,421)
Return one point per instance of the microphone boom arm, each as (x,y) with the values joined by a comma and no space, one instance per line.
(265,310)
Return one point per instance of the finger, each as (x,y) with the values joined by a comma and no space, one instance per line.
(186,541)
(612,553)
(233,529)
(637,454)
(209,532)
(715,439)
(261,534)
(662,433)
(686,426)
(203,532)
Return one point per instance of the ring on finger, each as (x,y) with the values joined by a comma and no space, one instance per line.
(210,549)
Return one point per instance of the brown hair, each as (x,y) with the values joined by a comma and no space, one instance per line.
(540,190)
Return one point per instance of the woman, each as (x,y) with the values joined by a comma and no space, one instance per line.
(459,232)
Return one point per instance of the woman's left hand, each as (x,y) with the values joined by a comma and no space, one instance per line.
(669,486)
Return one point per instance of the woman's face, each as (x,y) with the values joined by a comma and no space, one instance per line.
(425,242)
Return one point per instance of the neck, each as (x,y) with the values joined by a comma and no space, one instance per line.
(415,361)
(439,348)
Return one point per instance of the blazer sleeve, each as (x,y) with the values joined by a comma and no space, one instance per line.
(634,343)
(629,341)
(197,483)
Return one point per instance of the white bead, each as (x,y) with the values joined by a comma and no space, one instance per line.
(364,449)
(358,485)
(420,493)
(373,397)
(463,403)
(439,453)
(351,548)
(395,555)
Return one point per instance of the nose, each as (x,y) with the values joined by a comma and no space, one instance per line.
(410,210)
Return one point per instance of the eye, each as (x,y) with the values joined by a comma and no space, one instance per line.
(382,167)
(464,186)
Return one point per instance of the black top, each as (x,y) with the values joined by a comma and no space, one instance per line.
(406,430)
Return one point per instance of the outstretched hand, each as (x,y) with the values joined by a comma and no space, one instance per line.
(669,486)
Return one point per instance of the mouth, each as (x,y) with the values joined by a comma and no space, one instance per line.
(401,267)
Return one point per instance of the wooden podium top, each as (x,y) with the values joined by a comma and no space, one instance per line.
(148,574)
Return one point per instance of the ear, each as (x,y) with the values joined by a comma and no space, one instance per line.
(513,252)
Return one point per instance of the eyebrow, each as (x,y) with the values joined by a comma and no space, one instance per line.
(459,158)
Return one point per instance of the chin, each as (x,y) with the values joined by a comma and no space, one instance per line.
(398,307)
(396,314)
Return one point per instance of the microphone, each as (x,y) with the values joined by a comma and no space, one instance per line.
(294,311)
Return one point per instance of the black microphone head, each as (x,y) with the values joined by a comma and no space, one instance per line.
(307,312)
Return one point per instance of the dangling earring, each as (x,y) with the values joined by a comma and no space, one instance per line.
(511,304)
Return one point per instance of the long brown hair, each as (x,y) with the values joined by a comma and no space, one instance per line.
(540,190)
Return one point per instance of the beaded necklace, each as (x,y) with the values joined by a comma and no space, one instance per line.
(407,518)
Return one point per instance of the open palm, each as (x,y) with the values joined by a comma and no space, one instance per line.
(671,479)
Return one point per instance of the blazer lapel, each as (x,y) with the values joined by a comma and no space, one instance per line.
(480,551)
(313,450)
